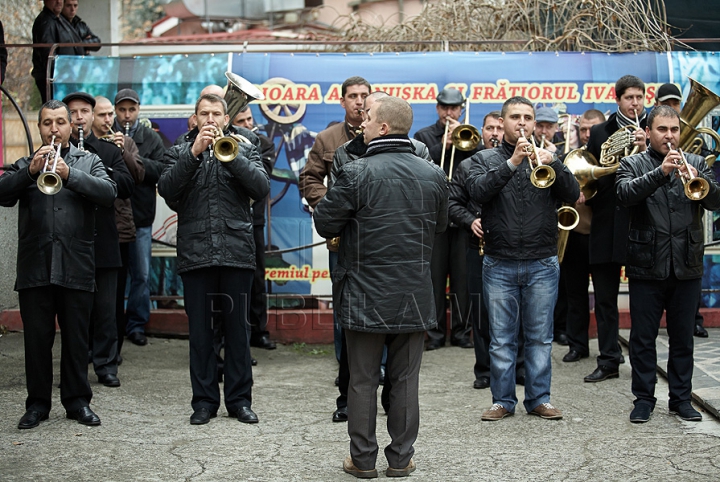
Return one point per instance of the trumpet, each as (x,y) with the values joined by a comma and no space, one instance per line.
(542,176)
(696,188)
(568,219)
(226,148)
(49,181)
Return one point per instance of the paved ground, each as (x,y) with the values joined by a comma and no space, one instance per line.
(145,435)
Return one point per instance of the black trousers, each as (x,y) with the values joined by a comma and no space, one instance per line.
(120,317)
(210,293)
(403,368)
(258,302)
(648,299)
(606,283)
(103,327)
(447,258)
(38,309)
(575,274)
(481,322)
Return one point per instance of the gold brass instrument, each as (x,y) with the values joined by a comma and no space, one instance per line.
(239,93)
(586,170)
(49,181)
(700,102)
(494,142)
(442,152)
(568,219)
(542,175)
(465,137)
(225,148)
(696,188)
(620,144)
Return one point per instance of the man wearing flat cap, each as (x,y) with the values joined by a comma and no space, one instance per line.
(546,126)
(103,331)
(152,150)
(448,255)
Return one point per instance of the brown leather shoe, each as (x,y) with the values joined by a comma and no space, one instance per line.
(547,411)
(349,467)
(390,472)
(494,413)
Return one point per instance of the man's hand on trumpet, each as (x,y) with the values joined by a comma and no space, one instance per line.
(204,139)
(672,163)
(38,161)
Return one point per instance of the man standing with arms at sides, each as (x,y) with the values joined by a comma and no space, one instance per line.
(151,149)
(104,114)
(49,28)
(449,247)
(260,337)
(609,226)
(69,11)
(55,264)
(492,131)
(669,94)
(665,260)
(103,326)
(216,257)
(386,195)
(520,269)
(319,163)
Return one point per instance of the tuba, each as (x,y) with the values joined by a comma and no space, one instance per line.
(239,93)
(700,102)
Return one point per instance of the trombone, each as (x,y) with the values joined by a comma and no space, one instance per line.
(542,175)
(696,188)
(49,181)
(465,137)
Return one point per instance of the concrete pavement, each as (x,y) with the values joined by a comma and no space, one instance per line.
(146,436)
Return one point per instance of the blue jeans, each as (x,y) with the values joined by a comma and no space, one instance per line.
(138,305)
(520,292)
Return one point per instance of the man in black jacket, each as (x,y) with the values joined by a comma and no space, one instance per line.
(50,27)
(103,327)
(665,260)
(69,11)
(609,225)
(55,263)
(450,245)
(386,207)
(520,269)
(216,256)
(151,149)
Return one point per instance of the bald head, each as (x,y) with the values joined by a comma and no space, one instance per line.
(213,89)
(104,112)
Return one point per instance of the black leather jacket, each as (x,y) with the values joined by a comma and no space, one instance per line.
(519,220)
(212,199)
(56,233)
(86,35)
(386,207)
(50,29)
(462,210)
(665,226)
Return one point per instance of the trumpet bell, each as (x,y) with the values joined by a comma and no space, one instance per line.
(568,218)
(466,137)
(696,189)
(542,176)
(240,92)
(49,183)
(226,149)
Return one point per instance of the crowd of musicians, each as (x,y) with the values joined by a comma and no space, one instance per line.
(477,209)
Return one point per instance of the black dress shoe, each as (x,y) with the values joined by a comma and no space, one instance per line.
(253,362)
(84,416)
(109,380)
(137,338)
(462,343)
(32,419)
(573,356)
(602,373)
(202,416)
(263,342)
(481,382)
(245,415)
(435,344)
(382,375)
(700,331)
(641,413)
(340,415)
(561,339)
(686,412)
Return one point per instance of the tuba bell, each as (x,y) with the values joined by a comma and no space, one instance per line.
(239,93)
(700,102)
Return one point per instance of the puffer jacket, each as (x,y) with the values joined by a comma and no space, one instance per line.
(212,199)
(386,207)
(665,226)
(519,220)
(56,232)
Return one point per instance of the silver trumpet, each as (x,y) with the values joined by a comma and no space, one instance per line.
(49,181)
